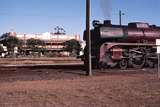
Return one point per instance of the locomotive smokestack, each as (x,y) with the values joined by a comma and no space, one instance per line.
(107,22)
(106,8)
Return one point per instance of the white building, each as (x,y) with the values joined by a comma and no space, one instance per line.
(54,42)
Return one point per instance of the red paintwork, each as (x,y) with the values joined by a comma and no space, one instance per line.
(150,35)
(117,53)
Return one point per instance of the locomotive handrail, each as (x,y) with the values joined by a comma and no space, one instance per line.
(131,44)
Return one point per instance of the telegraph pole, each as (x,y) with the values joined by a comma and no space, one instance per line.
(120,17)
(88,40)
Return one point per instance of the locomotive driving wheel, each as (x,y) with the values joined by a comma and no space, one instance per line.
(137,59)
(123,64)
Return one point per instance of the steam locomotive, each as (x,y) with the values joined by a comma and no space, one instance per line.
(131,45)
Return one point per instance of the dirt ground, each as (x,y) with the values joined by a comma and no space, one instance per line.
(29,87)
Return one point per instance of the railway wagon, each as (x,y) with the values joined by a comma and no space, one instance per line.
(131,45)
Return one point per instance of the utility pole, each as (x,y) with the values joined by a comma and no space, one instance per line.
(88,40)
(120,17)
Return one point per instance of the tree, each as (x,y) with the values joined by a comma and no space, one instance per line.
(21,47)
(36,45)
(1,49)
(35,42)
(73,46)
(10,41)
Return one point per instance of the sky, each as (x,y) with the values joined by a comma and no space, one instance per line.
(39,16)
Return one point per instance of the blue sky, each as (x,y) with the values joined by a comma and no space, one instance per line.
(38,16)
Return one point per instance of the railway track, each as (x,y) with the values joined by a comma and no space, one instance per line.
(47,66)
(55,63)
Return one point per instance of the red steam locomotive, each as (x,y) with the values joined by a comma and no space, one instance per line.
(131,45)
